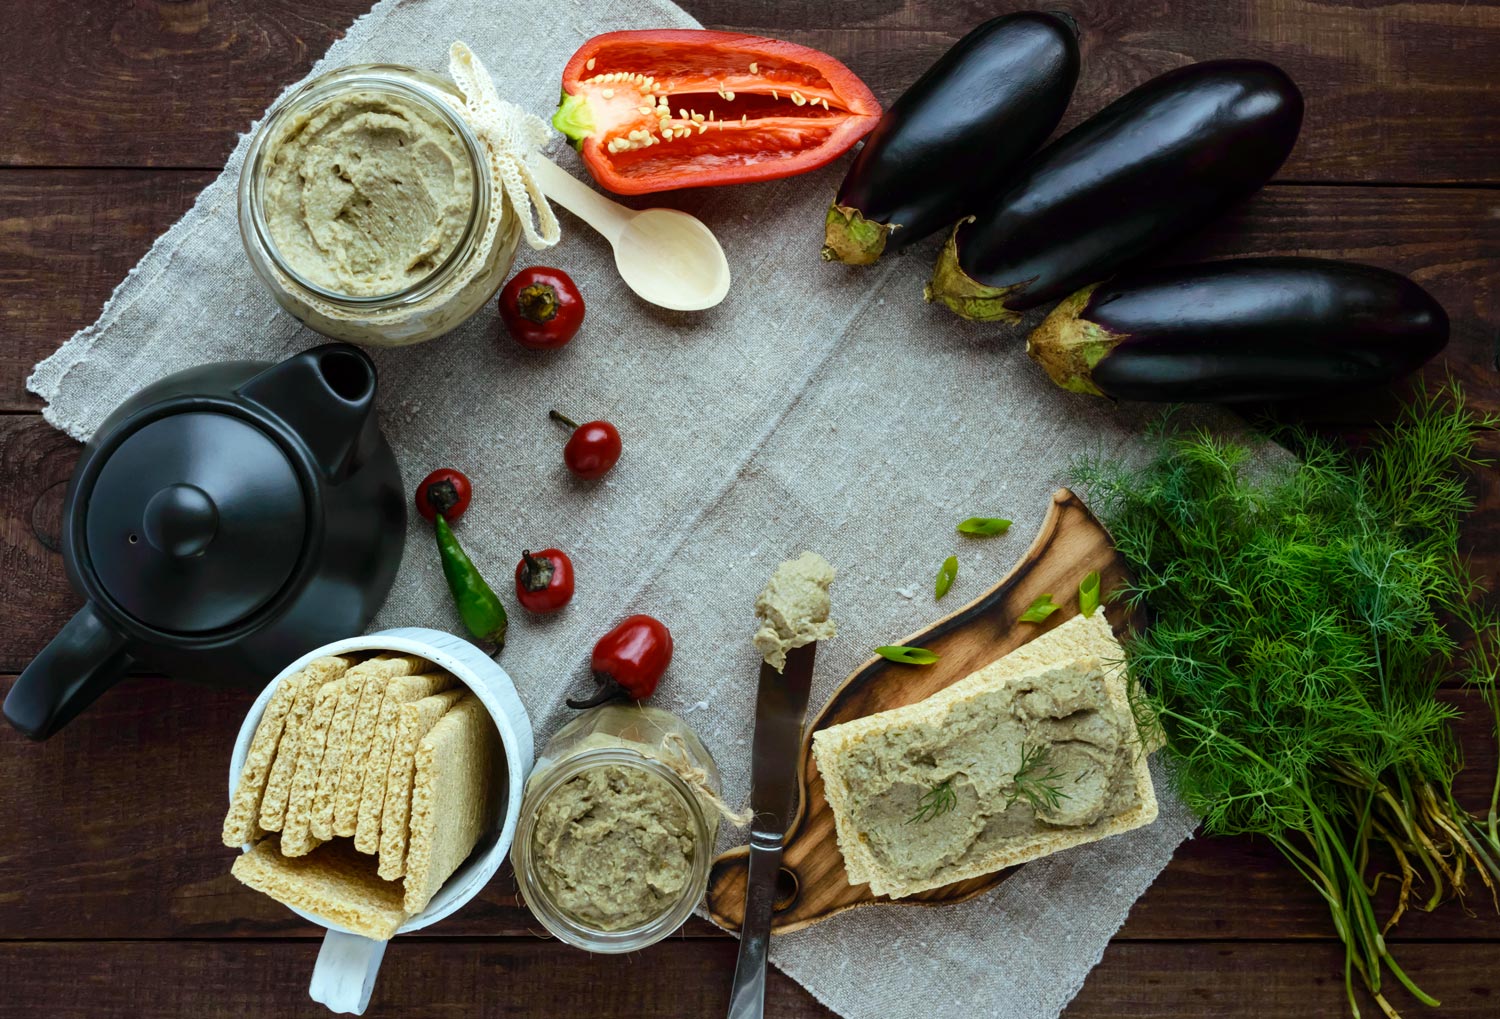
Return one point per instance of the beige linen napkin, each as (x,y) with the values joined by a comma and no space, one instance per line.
(820,407)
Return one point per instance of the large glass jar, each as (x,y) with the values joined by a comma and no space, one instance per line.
(617,828)
(314,217)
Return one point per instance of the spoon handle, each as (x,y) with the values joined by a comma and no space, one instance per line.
(605,216)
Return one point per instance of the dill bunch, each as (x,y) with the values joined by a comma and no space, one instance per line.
(1299,622)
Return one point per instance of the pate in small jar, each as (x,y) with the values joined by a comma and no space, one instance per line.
(617,829)
(383,205)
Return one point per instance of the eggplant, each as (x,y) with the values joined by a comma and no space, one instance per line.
(987,104)
(1154,164)
(1239,330)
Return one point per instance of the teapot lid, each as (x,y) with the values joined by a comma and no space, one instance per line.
(195,521)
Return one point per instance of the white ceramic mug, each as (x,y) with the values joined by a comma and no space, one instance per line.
(348,963)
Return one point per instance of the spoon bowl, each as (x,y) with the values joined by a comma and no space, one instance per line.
(673,260)
(667,257)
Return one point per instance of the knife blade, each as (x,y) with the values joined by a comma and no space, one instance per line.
(780,709)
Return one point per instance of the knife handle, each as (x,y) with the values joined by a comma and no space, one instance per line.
(747,998)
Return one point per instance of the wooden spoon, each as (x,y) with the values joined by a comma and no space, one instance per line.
(667,257)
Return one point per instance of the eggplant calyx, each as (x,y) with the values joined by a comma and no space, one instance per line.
(574,118)
(962,294)
(850,238)
(1068,346)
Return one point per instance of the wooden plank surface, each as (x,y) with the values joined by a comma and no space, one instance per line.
(113,888)
(1397,92)
(678,979)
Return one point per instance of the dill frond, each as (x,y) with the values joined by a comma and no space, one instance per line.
(1301,620)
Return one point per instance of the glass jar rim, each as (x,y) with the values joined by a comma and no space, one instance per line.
(398,79)
(557,920)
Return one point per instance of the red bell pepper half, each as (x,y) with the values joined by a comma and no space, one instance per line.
(673,108)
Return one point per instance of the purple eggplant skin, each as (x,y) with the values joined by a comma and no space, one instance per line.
(952,138)
(1155,164)
(1249,329)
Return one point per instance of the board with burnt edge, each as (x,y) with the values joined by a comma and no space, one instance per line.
(814,886)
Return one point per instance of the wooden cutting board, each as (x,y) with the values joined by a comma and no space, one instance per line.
(813,884)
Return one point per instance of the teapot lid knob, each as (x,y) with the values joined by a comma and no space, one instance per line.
(180,520)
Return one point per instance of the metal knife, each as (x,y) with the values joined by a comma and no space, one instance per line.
(780,708)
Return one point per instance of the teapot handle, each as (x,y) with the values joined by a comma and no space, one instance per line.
(86,658)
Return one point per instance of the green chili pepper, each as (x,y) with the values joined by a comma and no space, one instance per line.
(477,603)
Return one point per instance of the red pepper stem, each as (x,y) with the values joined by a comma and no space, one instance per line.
(537,573)
(608,691)
(537,303)
(558,416)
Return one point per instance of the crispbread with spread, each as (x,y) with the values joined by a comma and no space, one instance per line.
(378,760)
(452,797)
(876,839)
(414,720)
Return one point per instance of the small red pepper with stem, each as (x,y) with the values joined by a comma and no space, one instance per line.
(629,660)
(544,580)
(541,308)
(593,448)
(444,491)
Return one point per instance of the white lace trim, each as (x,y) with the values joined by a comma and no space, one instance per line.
(511,136)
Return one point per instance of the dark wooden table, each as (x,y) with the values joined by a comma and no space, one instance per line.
(115,896)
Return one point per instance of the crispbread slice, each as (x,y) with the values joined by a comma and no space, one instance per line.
(341,731)
(270,801)
(378,760)
(244,806)
(452,797)
(334,882)
(413,721)
(1080,644)
(296,833)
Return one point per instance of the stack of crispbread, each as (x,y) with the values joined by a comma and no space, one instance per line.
(379,775)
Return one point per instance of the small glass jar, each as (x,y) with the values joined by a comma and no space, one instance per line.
(453,289)
(631,747)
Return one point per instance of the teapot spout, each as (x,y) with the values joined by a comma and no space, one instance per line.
(325,395)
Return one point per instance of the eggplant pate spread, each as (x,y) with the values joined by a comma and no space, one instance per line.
(1018,760)
(368,194)
(1032,754)
(793,608)
(614,846)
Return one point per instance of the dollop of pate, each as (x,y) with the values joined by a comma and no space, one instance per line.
(1020,761)
(367,194)
(793,608)
(614,847)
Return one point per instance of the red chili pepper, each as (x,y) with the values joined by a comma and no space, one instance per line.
(593,449)
(629,661)
(544,580)
(739,108)
(444,491)
(541,308)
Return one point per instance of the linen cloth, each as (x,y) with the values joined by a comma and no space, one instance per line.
(819,407)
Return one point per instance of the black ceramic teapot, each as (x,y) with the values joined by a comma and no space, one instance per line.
(220,523)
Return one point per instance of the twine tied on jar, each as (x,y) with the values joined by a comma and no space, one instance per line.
(675,756)
(511,135)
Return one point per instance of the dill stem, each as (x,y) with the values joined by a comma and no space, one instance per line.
(1421,847)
